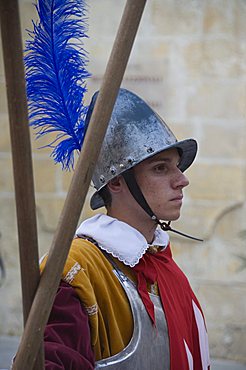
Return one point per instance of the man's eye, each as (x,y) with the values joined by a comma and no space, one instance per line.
(160,168)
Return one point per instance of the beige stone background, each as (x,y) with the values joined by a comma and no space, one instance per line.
(188,62)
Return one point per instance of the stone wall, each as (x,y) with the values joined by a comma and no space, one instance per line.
(188,62)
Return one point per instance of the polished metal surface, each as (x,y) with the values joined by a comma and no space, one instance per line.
(9,346)
(135,133)
(149,346)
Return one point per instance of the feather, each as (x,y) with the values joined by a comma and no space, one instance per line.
(56,76)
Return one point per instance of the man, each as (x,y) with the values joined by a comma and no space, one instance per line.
(123,303)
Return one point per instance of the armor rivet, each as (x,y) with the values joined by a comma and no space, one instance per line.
(153,217)
(102,178)
(113,170)
(122,165)
(150,150)
(130,160)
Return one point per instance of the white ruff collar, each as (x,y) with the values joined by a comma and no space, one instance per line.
(120,239)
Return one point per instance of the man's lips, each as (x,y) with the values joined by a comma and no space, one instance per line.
(178,198)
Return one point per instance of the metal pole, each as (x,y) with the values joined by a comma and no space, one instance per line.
(21,153)
(79,186)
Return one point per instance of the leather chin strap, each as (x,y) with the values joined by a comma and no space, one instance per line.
(140,199)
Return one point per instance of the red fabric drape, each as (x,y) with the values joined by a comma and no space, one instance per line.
(176,297)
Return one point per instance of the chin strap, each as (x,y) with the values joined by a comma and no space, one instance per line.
(166,227)
(140,199)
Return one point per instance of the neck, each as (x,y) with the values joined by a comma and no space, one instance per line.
(144,224)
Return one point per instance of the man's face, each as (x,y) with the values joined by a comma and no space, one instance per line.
(162,182)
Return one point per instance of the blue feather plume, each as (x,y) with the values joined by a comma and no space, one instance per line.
(56,72)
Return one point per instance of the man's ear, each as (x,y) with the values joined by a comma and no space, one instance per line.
(115,185)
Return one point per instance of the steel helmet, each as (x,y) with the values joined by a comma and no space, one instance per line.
(135,133)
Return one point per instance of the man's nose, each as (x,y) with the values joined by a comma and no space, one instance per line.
(181,180)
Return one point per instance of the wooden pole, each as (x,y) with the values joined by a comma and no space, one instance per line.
(21,154)
(79,186)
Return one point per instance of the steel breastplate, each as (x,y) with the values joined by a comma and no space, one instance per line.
(149,345)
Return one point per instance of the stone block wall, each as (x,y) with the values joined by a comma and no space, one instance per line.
(188,62)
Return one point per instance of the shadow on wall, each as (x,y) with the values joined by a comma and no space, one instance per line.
(2,268)
(224,289)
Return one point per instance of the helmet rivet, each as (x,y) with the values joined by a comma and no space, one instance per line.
(102,178)
(150,150)
(113,170)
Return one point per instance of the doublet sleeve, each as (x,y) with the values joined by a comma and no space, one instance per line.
(67,334)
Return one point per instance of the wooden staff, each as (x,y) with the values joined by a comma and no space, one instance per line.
(21,154)
(50,279)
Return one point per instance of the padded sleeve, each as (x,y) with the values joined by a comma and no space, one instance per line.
(67,334)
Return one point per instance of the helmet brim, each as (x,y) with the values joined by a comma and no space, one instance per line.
(188,153)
